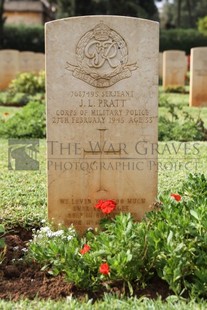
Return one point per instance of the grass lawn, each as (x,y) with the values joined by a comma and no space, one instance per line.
(10,110)
(109,302)
(183,101)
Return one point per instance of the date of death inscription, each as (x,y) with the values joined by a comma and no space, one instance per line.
(106,107)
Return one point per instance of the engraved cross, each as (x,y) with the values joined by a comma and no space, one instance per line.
(99,149)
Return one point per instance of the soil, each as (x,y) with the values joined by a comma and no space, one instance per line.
(19,279)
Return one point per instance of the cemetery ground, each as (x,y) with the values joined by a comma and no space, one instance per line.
(179,260)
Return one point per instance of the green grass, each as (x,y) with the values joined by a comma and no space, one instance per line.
(10,110)
(22,192)
(109,302)
(174,168)
(183,100)
(176,98)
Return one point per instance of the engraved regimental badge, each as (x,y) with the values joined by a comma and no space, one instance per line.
(102,57)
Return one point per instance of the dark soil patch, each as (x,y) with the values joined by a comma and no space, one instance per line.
(26,280)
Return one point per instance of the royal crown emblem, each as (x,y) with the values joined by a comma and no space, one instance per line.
(102,57)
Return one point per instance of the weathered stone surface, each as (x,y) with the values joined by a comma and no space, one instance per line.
(102,76)
(9,67)
(27,62)
(174,68)
(39,62)
(198,77)
(160,65)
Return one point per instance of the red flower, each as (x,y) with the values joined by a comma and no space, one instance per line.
(177,197)
(99,204)
(85,249)
(104,269)
(106,206)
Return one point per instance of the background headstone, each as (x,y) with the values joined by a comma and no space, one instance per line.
(102,88)
(26,62)
(174,68)
(198,76)
(9,67)
(160,65)
(39,60)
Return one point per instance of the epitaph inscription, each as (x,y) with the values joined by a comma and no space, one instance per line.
(101,116)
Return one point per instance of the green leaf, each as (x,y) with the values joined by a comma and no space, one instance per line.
(2,243)
(2,230)
(169,238)
(130,288)
(194,214)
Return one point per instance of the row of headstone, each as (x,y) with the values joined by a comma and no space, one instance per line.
(172,69)
(173,66)
(13,62)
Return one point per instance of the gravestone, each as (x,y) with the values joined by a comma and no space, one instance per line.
(198,77)
(39,61)
(174,68)
(26,62)
(102,88)
(9,67)
(160,65)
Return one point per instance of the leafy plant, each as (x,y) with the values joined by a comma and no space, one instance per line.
(25,88)
(171,128)
(202,25)
(24,37)
(122,244)
(182,39)
(28,83)
(177,238)
(18,99)
(28,123)
(170,241)
(117,253)
(2,243)
(163,100)
(175,89)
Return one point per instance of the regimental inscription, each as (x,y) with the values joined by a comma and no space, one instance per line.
(106,107)
(103,116)
(102,57)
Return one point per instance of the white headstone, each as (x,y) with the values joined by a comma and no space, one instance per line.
(198,77)
(160,65)
(174,68)
(39,60)
(102,87)
(27,62)
(9,67)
